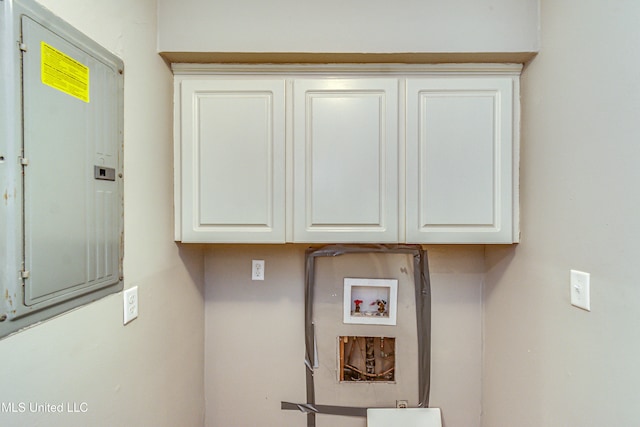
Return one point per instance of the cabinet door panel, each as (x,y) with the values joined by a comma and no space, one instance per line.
(233,161)
(346,160)
(459,160)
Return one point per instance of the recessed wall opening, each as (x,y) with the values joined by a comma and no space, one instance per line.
(370,301)
(367,359)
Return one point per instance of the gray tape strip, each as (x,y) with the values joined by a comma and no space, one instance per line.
(423,319)
(345,411)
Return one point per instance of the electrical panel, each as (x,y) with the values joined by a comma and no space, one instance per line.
(61,149)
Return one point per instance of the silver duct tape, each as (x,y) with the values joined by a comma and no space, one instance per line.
(346,411)
(423,319)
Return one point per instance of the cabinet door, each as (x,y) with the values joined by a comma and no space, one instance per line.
(345,160)
(232,161)
(460,160)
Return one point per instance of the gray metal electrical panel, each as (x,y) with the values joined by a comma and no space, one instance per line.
(61,136)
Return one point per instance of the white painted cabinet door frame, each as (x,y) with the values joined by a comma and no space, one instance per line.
(345,165)
(459,164)
(232,160)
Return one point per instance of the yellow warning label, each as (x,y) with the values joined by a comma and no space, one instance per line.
(64,73)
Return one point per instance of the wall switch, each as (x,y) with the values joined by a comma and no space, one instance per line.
(580,290)
(130,304)
(257,269)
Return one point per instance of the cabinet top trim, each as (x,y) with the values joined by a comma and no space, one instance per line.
(348,69)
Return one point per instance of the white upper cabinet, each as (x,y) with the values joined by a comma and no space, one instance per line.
(459,167)
(346,153)
(232,161)
(345,143)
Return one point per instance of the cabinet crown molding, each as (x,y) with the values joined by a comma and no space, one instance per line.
(359,70)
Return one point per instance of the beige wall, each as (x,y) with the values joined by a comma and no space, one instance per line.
(372,26)
(546,362)
(254,334)
(150,372)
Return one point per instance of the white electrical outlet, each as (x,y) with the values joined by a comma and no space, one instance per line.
(580,290)
(257,269)
(130,304)
(402,404)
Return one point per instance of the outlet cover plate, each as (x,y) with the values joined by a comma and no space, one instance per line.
(257,269)
(130,304)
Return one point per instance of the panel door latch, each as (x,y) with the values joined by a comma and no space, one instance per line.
(104,174)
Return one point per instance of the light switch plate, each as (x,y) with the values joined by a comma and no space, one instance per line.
(130,304)
(580,290)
